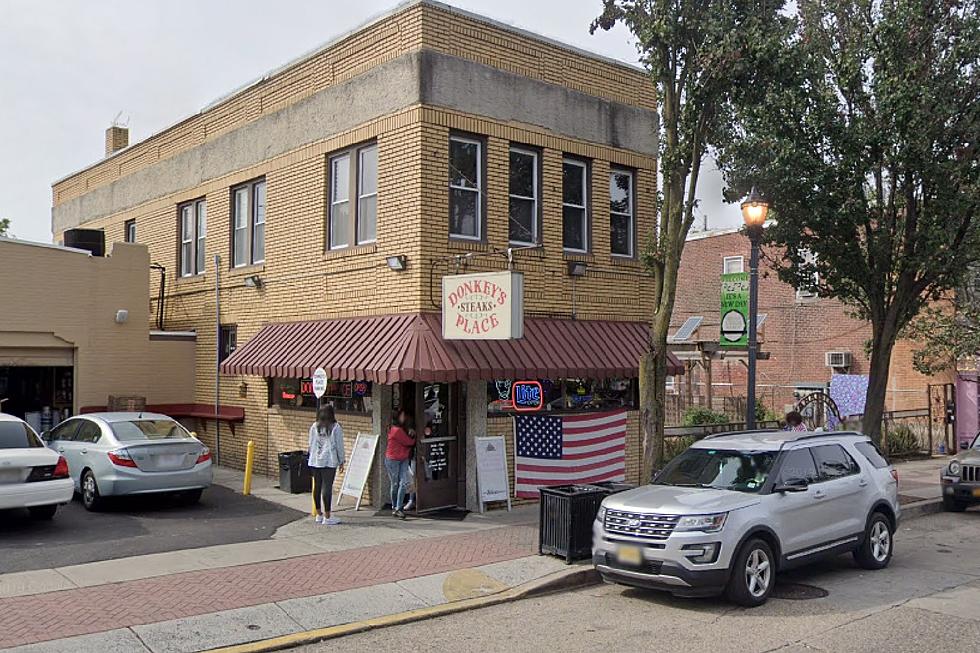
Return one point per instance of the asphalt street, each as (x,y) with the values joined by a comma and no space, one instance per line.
(927,600)
(135,526)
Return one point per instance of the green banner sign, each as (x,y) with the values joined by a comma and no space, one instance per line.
(735,309)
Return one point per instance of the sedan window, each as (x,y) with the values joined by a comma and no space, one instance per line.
(149,429)
(88,432)
(18,435)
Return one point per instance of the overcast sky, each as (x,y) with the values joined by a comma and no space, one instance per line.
(67,68)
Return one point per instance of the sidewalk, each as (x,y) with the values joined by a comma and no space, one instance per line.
(306,577)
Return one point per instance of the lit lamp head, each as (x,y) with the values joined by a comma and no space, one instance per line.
(754,211)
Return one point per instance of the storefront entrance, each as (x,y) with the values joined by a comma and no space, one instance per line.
(438,412)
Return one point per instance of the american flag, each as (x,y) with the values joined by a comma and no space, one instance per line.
(555,450)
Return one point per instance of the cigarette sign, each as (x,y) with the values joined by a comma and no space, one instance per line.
(483,306)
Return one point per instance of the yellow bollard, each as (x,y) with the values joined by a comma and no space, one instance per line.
(249,462)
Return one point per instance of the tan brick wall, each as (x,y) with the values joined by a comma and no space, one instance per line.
(74,297)
(414,28)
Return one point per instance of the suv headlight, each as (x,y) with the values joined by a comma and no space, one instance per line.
(704,523)
(953,468)
(601,515)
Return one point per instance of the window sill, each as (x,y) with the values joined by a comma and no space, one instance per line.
(190,279)
(345,252)
(572,255)
(247,270)
(625,261)
(469,245)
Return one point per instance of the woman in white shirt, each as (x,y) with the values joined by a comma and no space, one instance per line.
(326,458)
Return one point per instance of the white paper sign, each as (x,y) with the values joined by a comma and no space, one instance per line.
(358,468)
(491,470)
(319,382)
(483,306)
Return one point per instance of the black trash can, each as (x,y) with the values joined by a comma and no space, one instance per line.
(294,475)
(612,487)
(567,513)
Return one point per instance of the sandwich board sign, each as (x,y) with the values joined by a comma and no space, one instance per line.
(491,470)
(358,468)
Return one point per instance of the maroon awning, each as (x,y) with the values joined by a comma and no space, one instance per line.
(409,347)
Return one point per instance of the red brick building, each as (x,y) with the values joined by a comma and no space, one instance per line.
(799,331)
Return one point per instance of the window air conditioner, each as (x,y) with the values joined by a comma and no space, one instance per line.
(838,358)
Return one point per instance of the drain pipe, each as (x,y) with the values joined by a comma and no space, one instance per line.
(160,293)
(217,358)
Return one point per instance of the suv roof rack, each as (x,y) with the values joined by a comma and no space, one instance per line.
(727,433)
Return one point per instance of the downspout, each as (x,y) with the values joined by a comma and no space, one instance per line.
(160,293)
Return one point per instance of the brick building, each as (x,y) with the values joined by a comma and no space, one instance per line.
(322,204)
(801,333)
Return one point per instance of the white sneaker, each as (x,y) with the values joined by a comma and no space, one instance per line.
(331,521)
(319,519)
(409,505)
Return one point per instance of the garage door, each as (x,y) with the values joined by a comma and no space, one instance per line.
(36,357)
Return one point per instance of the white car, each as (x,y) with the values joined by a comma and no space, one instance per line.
(31,475)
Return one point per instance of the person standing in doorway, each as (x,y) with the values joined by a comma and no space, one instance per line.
(398,452)
(326,458)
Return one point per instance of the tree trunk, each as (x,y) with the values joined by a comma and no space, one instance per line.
(883,341)
(653,381)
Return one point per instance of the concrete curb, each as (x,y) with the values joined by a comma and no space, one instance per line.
(921,508)
(566,579)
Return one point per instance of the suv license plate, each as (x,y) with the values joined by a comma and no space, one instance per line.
(630,555)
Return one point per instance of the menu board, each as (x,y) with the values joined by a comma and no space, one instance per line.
(358,468)
(437,457)
(491,470)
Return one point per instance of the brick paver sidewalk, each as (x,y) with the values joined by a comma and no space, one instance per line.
(67,613)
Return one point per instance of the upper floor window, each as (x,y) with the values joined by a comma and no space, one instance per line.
(523,223)
(465,188)
(622,217)
(808,291)
(574,205)
(129,229)
(248,224)
(353,174)
(733,264)
(193,229)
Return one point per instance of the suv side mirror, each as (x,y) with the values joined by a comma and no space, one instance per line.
(792,485)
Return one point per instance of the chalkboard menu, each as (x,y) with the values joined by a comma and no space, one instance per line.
(437,458)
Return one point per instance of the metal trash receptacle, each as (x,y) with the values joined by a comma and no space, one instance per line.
(612,487)
(566,516)
(294,475)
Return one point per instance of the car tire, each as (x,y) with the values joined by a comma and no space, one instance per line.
(91,498)
(753,574)
(43,512)
(876,550)
(191,497)
(952,505)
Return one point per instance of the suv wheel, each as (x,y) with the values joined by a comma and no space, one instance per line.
(753,574)
(876,550)
(952,505)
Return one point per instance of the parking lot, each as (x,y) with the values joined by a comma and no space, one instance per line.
(135,526)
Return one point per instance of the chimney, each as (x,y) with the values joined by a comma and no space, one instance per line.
(116,138)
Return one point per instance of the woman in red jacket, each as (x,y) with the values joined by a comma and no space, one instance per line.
(397,455)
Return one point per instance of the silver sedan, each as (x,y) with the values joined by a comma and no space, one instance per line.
(115,454)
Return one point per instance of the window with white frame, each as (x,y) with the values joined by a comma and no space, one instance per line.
(193,229)
(523,189)
(733,264)
(465,188)
(622,218)
(574,205)
(353,173)
(248,223)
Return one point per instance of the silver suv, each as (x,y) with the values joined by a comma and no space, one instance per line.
(733,509)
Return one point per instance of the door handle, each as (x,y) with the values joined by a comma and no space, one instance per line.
(819,494)
(84,450)
(61,450)
(863,483)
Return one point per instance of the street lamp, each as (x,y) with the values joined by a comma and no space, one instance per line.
(754,211)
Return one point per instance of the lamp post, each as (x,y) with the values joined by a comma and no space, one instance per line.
(754,211)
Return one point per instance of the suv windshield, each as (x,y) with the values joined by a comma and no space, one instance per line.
(741,471)
(18,435)
(149,429)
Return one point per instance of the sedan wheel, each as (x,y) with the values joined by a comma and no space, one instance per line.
(91,498)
